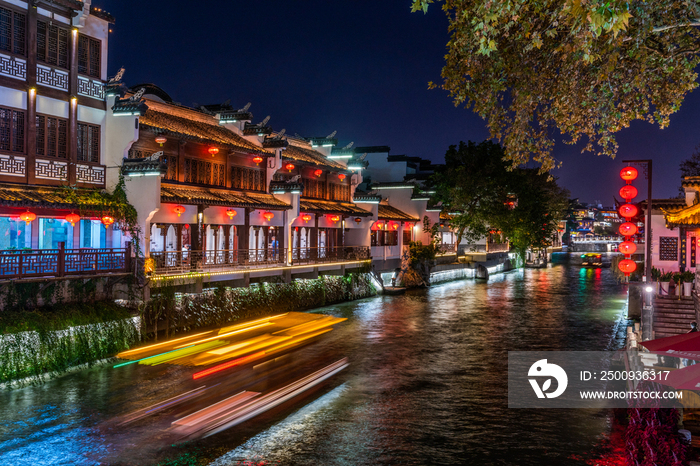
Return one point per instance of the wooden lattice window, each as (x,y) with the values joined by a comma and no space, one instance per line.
(11,130)
(340,192)
(247,179)
(136,154)
(171,163)
(88,143)
(13,31)
(51,136)
(203,172)
(52,44)
(89,56)
(668,248)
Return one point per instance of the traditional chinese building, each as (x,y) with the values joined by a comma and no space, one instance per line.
(53,64)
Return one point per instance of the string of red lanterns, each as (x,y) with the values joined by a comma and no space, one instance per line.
(628,229)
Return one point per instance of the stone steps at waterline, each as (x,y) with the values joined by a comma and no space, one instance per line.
(672,316)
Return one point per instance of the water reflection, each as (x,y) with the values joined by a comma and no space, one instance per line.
(426,385)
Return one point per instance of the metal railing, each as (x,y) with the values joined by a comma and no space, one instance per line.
(171,262)
(444,247)
(30,263)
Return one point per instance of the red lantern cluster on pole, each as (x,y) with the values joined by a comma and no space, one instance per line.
(628,229)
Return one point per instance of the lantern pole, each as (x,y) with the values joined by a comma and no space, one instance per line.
(647,229)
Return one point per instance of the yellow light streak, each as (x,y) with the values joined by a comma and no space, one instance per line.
(201,361)
(160,359)
(245,324)
(314,325)
(158,345)
(221,335)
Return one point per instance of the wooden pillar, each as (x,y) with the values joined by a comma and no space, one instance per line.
(181,160)
(73,107)
(280,243)
(245,236)
(31,94)
(314,233)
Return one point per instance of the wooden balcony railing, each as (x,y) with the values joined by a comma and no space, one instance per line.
(172,262)
(334,254)
(31,263)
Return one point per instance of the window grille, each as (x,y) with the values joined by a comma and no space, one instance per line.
(52,44)
(89,56)
(11,130)
(88,143)
(13,31)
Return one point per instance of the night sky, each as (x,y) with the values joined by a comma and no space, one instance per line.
(358,67)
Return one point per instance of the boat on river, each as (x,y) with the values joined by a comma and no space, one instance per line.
(591,260)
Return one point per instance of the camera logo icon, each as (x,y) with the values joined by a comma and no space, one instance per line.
(543,369)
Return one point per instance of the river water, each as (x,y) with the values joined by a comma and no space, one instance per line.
(426,384)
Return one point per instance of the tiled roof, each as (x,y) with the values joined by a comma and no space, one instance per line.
(388,212)
(194,195)
(666,204)
(688,216)
(331,207)
(184,121)
(302,154)
(40,196)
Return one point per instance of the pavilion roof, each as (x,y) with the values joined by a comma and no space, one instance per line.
(317,206)
(687,216)
(173,194)
(389,212)
(308,155)
(174,119)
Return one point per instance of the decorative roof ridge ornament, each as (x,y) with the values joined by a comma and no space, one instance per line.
(259,129)
(134,105)
(115,86)
(278,140)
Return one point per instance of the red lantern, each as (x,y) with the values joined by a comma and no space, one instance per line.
(341,177)
(334,218)
(213,151)
(306,218)
(628,229)
(161,140)
(395,226)
(628,210)
(268,216)
(358,220)
(257,159)
(629,174)
(627,266)
(290,167)
(231,213)
(628,192)
(27,216)
(179,210)
(72,218)
(107,220)
(187,227)
(318,172)
(627,248)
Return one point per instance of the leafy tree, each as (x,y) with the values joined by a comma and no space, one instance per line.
(534,220)
(474,182)
(477,185)
(691,165)
(585,69)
